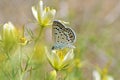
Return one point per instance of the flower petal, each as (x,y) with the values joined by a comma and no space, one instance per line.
(110,78)
(8,26)
(53,59)
(69,55)
(96,75)
(67,59)
(48,16)
(35,14)
(41,7)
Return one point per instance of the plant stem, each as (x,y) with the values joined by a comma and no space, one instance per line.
(59,75)
(21,76)
(20,62)
(8,56)
(38,37)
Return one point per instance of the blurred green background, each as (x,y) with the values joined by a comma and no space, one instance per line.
(96,23)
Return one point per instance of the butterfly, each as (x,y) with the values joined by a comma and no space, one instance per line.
(63,36)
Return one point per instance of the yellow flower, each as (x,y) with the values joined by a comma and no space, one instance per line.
(9,36)
(8,39)
(43,16)
(78,63)
(9,32)
(60,59)
(23,41)
(102,74)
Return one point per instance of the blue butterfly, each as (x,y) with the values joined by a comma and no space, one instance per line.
(62,35)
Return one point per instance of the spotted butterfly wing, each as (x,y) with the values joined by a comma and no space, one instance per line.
(62,35)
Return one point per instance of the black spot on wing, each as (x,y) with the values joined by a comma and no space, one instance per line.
(57,29)
(63,38)
(60,32)
(59,24)
(71,34)
(55,33)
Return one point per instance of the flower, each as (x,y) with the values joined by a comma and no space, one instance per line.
(23,41)
(102,74)
(9,36)
(43,16)
(9,39)
(60,59)
(9,32)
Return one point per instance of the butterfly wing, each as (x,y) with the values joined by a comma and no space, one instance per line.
(63,37)
(61,46)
